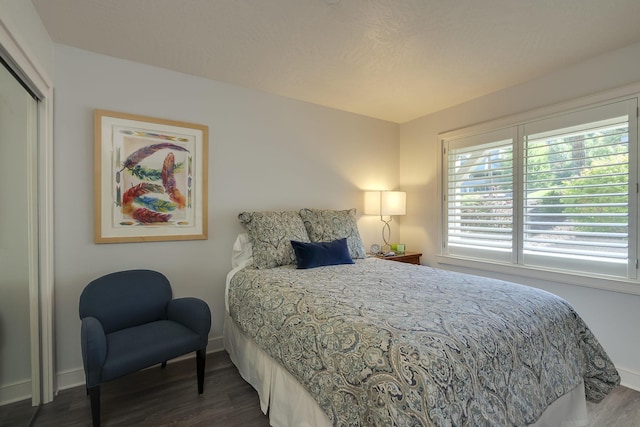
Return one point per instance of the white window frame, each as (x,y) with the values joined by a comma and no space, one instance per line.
(627,285)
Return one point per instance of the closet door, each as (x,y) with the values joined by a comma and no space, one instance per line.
(19,350)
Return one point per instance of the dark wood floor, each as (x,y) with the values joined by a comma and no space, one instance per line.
(157,397)
(169,397)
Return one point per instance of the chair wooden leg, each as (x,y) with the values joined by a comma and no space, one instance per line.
(94,395)
(201,356)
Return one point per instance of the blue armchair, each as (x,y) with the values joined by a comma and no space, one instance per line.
(131,322)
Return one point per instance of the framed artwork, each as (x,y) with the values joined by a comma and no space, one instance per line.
(150,179)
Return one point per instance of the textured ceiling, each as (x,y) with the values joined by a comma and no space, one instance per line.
(390,59)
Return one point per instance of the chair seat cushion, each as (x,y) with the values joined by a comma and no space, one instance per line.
(132,349)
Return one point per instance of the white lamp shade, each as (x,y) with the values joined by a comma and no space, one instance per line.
(372,203)
(393,203)
(385,203)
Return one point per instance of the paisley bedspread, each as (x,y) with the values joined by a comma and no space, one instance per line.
(385,343)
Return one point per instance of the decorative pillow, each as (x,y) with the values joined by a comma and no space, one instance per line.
(317,254)
(271,234)
(328,225)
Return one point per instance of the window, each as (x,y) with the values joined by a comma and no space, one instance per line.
(557,193)
(480,196)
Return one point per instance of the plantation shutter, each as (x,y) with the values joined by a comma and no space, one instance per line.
(479,196)
(576,191)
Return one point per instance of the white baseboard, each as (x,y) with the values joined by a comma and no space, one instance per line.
(629,379)
(75,377)
(215,345)
(69,379)
(16,392)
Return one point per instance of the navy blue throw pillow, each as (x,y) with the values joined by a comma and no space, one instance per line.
(317,254)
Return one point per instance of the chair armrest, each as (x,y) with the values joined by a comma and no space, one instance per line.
(94,350)
(192,313)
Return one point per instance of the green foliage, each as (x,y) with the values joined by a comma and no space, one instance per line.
(608,170)
(551,202)
(569,173)
(474,209)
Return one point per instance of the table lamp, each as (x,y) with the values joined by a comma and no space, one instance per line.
(386,204)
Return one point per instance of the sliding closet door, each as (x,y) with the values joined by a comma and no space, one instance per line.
(19,375)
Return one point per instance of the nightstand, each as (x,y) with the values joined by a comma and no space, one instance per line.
(408,257)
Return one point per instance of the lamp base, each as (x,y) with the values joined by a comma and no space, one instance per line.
(386,233)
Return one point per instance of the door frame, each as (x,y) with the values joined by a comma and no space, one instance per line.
(26,66)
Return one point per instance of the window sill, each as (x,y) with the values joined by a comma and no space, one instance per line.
(590,281)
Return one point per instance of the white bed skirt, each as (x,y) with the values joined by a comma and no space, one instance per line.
(290,405)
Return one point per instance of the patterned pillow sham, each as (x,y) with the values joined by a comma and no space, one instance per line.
(271,234)
(327,225)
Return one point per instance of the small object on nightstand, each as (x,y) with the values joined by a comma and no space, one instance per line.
(375,249)
(398,248)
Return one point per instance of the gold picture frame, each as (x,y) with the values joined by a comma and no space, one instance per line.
(150,181)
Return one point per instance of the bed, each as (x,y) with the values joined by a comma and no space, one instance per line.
(375,342)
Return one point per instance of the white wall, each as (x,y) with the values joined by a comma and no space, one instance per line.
(265,153)
(613,317)
(24,23)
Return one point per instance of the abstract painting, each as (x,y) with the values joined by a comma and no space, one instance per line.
(150,180)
